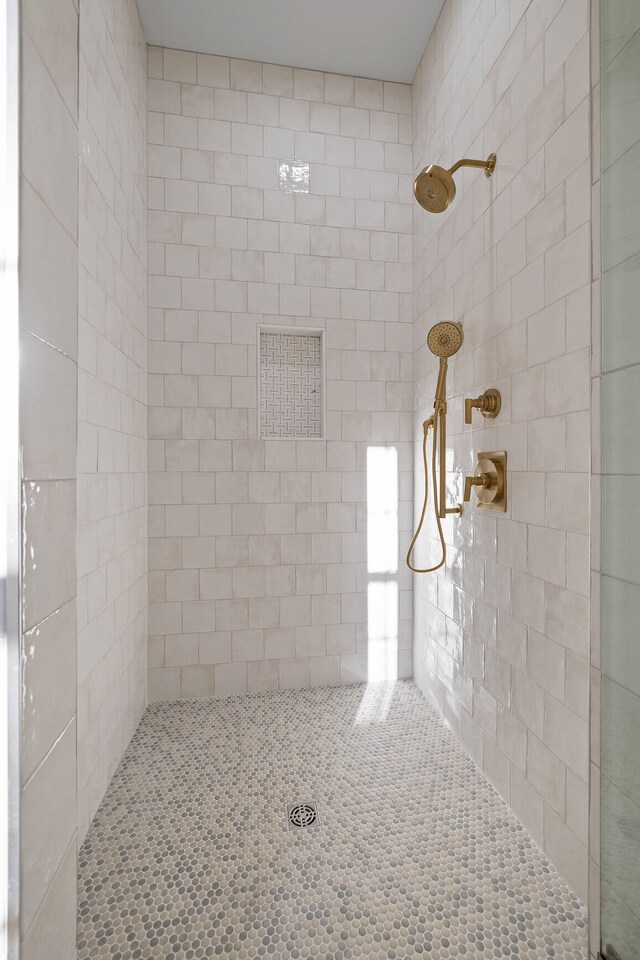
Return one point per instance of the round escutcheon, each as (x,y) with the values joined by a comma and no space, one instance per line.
(493,489)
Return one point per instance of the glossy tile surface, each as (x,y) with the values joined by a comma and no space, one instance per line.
(501,626)
(112,458)
(257,542)
(48,549)
(415,854)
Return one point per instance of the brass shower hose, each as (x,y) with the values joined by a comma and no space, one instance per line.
(431,422)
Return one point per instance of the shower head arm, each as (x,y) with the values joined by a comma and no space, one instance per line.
(487,165)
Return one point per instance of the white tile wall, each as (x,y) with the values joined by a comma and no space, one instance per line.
(502,635)
(48,384)
(112,394)
(258,560)
(258,549)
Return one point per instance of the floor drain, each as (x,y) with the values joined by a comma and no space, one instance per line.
(302,814)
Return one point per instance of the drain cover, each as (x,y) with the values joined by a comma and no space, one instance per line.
(302,814)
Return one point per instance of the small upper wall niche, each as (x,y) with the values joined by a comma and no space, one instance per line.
(291,388)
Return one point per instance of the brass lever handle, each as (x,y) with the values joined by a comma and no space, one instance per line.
(488,403)
(469,404)
(483,480)
(490,481)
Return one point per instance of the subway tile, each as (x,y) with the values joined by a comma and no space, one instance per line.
(567,618)
(293,674)
(262,675)
(53,30)
(197,681)
(568,736)
(547,774)
(48,566)
(164,684)
(564,33)
(567,383)
(568,264)
(48,436)
(212,71)
(179,65)
(245,75)
(49,276)
(49,138)
(528,805)
(48,707)
(48,815)
(546,663)
(277,80)
(163,96)
(566,851)
(54,928)
(360,218)
(546,554)
(577,690)
(527,700)
(527,600)
(339,89)
(568,501)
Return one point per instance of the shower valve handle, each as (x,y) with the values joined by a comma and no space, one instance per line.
(488,403)
(483,480)
(490,481)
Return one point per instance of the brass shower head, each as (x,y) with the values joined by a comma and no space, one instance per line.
(435,188)
(444,339)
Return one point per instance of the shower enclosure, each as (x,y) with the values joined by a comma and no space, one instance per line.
(620,479)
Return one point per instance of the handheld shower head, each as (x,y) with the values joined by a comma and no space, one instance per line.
(444,339)
(435,188)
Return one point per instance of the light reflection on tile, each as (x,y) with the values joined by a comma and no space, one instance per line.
(293,176)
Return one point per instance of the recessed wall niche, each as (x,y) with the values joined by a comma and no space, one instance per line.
(291,387)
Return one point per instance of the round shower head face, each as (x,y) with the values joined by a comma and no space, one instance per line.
(434,189)
(444,339)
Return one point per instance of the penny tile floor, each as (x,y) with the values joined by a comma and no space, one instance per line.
(414,854)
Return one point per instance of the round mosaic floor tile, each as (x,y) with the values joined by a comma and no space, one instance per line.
(411,854)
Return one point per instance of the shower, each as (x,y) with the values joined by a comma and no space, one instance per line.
(444,340)
(435,188)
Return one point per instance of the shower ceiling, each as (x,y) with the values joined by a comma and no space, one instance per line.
(365,38)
